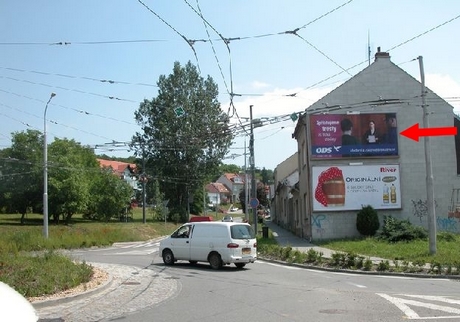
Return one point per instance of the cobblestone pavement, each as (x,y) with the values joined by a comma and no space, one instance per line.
(127,290)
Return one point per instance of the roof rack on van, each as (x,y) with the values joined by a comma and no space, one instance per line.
(201,218)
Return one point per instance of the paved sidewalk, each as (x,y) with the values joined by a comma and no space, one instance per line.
(286,238)
(128,289)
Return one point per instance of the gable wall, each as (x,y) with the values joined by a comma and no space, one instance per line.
(388,81)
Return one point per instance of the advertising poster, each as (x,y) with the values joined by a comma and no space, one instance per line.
(337,188)
(353,135)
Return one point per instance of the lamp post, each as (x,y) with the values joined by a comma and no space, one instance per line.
(45,172)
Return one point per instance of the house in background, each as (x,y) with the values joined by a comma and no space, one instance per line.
(125,171)
(235,183)
(217,193)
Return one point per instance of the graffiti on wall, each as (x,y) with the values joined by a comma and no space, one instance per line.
(319,223)
(447,224)
(420,208)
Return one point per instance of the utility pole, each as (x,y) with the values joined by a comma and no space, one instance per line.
(253,173)
(246,185)
(205,208)
(144,179)
(429,168)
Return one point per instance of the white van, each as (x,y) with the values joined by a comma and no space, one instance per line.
(219,243)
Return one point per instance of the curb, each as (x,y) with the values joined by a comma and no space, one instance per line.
(70,298)
(359,272)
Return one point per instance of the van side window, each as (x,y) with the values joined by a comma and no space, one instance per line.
(182,232)
(242,232)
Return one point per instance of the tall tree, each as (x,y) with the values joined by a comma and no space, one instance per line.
(184,135)
(70,169)
(109,195)
(21,165)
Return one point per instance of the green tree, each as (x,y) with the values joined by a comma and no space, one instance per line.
(110,196)
(267,176)
(261,196)
(158,209)
(227,168)
(367,221)
(21,179)
(184,133)
(71,167)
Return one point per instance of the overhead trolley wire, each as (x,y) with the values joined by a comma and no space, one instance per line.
(189,42)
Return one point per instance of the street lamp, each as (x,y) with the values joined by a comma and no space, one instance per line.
(45,172)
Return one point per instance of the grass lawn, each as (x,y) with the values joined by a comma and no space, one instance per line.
(447,249)
(30,264)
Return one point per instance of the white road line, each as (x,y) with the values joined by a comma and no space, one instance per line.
(400,305)
(403,303)
(134,252)
(357,285)
(434,298)
(278,265)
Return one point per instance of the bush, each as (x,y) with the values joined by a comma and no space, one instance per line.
(395,230)
(367,221)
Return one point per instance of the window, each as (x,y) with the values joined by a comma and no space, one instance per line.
(242,232)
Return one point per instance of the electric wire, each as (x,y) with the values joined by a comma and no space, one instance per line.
(188,41)
(107,81)
(344,70)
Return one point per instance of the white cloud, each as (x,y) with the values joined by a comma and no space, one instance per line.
(445,87)
(279,102)
(259,85)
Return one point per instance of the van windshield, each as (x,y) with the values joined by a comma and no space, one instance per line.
(242,232)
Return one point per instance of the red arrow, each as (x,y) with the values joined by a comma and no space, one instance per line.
(414,132)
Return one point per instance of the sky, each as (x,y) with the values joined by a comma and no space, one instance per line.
(103,58)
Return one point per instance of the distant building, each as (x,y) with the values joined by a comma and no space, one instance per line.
(235,183)
(217,193)
(125,171)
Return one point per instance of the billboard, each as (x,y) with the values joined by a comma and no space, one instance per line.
(353,135)
(337,188)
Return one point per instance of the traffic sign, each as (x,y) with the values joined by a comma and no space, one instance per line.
(179,111)
(254,202)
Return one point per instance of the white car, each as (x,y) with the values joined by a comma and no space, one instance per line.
(218,243)
(227,218)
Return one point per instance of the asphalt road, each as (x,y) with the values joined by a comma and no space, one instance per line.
(143,289)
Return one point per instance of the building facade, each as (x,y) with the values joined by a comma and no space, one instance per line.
(351,154)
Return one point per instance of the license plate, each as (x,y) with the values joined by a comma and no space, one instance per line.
(246,251)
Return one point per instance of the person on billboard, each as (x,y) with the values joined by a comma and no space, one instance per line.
(391,136)
(347,127)
(371,136)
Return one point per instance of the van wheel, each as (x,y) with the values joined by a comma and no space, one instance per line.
(168,257)
(215,261)
(240,265)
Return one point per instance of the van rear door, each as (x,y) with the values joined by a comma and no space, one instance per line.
(244,236)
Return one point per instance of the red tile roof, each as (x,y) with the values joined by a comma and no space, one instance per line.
(117,166)
(216,187)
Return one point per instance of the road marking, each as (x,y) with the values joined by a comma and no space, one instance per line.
(403,305)
(278,265)
(357,285)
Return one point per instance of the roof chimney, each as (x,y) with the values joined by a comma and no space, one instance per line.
(381,54)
